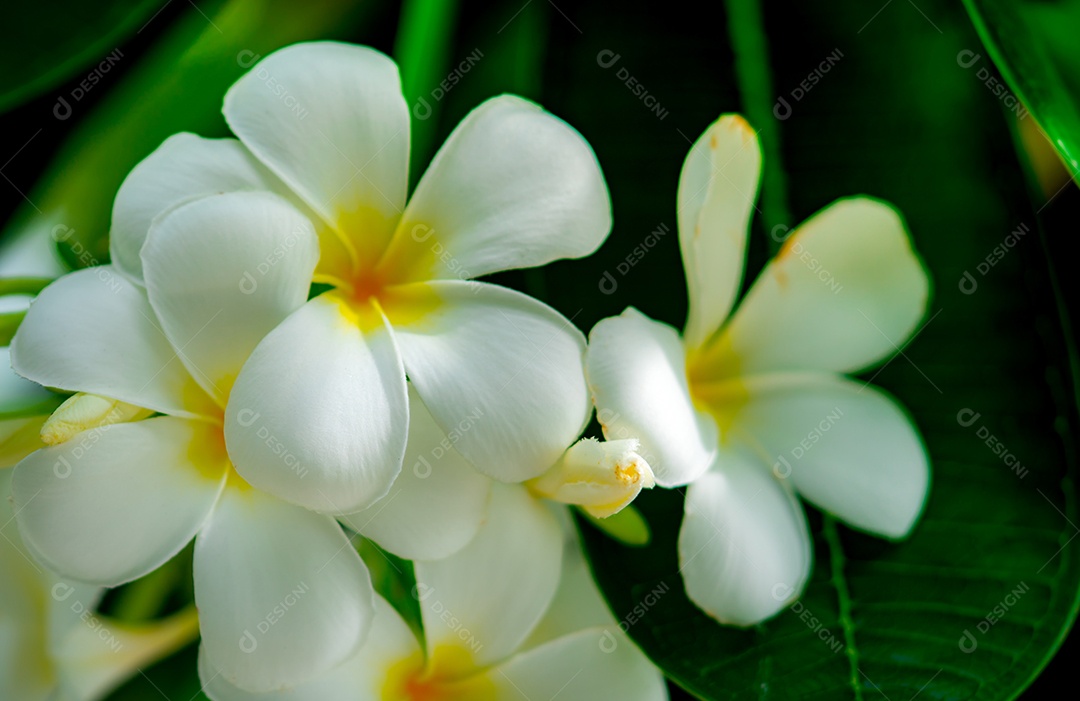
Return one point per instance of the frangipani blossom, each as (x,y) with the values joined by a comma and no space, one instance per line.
(439,501)
(53,647)
(750,406)
(114,501)
(513,616)
(325,125)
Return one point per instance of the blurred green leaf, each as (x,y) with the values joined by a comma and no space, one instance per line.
(978,599)
(178,86)
(1040,65)
(628,526)
(51,42)
(422,49)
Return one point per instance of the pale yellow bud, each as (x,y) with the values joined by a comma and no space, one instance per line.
(82,412)
(600,477)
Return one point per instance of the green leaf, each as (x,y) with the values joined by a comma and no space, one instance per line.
(177,86)
(422,50)
(52,42)
(976,601)
(1034,46)
(628,526)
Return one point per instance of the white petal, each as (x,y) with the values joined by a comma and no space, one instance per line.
(18,395)
(330,120)
(224,271)
(437,502)
(847,447)
(114,503)
(594,663)
(717,189)
(94,331)
(845,291)
(637,375)
(283,597)
(365,676)
(513,187)
(502,370)
(578,603)
(184,167)
(319,414)
(486,598)
(744,550)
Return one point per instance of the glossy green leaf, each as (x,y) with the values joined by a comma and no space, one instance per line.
(53,42)
(978,599)
(1034,47)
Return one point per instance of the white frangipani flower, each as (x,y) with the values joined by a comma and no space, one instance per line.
(512,616)
(325,125)
(116,500)
(749,407)
(439,500)
(53,647)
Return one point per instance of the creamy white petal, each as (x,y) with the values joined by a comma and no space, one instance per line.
(487,598)
(391,645)
(221,273)
(847,447)
(502,370)
(19,395)
(513,187)
(114,503)
(437,502)
(94,331)
(184,167)
(717,189)
(594,663)
(637,374)
(744,549)
(578,603)
(330,120)
(319,414)
(845,292)
(283,597)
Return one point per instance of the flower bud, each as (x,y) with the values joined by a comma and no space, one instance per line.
(600,477)
(82,412)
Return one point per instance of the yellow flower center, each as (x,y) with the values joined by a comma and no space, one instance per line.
(714,383)
(449,675)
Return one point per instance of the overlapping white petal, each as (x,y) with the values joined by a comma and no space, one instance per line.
(319,413)
(847,447)
(594,663)
(330,120)
(222,272)
(283,597)
(717,189)
(744,550)
(637,375)
(513,187)
(502,371)
(94,331)
(487,597)
(436,504)
(364,676)
(112,504)
(185,167)
(846,291)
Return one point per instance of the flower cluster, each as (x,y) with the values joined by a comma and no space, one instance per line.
(289,351)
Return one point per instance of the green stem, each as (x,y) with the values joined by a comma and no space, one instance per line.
(23,285)
(748,41)
(144,598)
